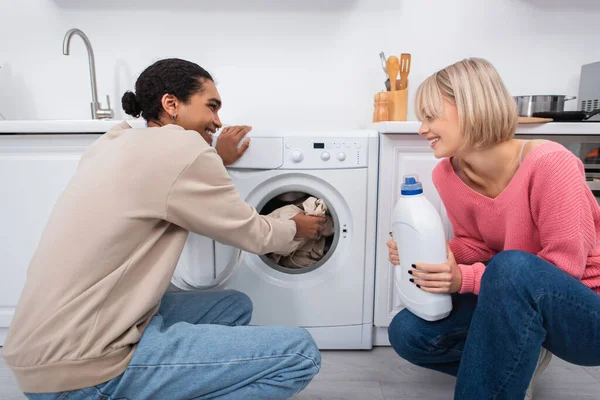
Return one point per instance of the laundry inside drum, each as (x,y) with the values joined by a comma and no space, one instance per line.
(306,254)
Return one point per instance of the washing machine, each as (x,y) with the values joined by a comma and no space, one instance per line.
(333,297)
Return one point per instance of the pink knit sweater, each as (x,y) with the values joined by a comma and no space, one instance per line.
(547,209)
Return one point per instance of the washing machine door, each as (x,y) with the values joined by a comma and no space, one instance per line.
(205,264)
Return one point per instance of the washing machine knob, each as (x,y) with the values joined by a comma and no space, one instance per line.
(325,156)
(297,156)
(341,156)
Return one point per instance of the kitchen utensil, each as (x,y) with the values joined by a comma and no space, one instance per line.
(532,120)
(383,107)
(528,105)
(380,107)
(393,67)
(376,108)
(383,62)
(567,116)
(404,70)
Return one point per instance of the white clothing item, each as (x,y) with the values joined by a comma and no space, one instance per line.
(305,252)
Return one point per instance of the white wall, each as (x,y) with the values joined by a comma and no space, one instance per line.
(298,63)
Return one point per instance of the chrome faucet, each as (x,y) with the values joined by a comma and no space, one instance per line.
(97,111)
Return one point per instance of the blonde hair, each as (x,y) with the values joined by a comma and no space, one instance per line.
(487,114)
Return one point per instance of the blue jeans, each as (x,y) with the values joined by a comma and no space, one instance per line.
(198,347)
(492,342)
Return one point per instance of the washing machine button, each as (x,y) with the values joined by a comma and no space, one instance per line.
(325,156)
(297,156)
(357,145)
(341,156)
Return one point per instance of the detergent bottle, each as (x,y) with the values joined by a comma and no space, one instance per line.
(417,229)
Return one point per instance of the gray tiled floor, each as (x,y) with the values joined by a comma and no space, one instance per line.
(380,375)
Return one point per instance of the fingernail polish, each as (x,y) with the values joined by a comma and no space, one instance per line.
(412,280)
(410,272)
(413,265)
(418,286)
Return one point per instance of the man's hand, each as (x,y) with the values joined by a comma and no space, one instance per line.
(227,143)
(308,226)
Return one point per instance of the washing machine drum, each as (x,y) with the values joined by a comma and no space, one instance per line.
(206,264)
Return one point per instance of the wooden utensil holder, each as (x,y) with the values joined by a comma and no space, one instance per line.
(391,106)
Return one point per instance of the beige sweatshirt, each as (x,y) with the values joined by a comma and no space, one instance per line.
(110,247)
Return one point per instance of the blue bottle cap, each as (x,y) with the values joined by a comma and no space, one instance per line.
(411,186)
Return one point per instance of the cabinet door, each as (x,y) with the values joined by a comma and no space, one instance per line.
(399,155)
(34,170)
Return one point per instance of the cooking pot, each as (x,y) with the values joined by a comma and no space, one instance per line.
(528,105)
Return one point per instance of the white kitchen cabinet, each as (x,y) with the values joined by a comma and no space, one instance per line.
(34,170)
(399,155)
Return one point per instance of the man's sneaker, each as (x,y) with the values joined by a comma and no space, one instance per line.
(543,361)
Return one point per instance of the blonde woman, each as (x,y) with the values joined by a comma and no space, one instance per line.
(524,265)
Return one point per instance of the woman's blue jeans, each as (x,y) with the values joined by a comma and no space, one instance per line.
(492,342)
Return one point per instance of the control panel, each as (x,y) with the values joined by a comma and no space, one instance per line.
(323,153)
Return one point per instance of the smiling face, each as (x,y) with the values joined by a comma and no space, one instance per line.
(201,112)
(443,132)
(465,107)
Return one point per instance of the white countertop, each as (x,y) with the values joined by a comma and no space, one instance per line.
(550,128)
(390,127)
(63,126)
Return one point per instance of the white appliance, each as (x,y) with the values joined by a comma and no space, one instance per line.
(332,299)
(589,89)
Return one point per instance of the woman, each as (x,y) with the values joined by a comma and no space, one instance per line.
(94,322)
(524,209)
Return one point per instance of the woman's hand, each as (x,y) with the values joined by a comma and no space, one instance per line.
(438,278)
(393,250)
(228,141)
